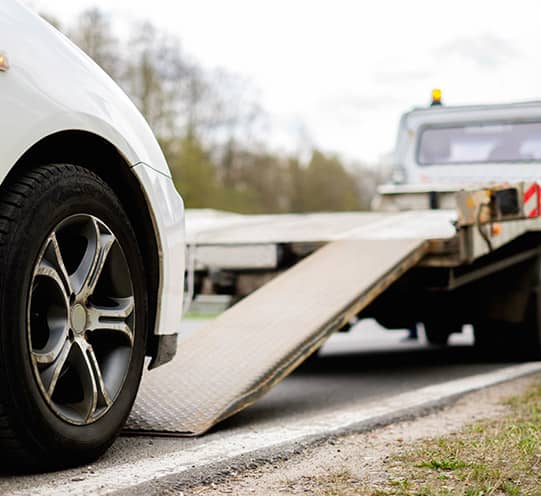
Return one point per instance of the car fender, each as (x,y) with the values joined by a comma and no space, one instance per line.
(51,86)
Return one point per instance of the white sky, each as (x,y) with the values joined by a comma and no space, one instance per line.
(343,71)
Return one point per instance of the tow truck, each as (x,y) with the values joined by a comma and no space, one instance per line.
(455,240)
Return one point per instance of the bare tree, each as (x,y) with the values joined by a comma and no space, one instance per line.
(159,79)
(209,124)
(93,33)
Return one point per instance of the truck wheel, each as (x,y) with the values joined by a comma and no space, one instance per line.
(528,336)
(512,341)
(509,341)
(494,340)
(73,310)
(438,334)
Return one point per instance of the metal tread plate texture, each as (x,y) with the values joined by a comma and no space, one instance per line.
(240,355)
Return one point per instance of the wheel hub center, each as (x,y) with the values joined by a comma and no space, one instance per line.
(78,318)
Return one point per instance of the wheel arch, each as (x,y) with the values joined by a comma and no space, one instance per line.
(100,156)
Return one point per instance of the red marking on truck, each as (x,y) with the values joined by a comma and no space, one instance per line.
(532,200)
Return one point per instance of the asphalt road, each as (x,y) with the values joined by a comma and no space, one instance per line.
(363,367)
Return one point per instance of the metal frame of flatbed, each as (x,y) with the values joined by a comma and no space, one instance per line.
(232,245)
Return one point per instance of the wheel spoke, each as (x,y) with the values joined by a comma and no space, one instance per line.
(103,395)
(102,318)
(99,244)
(51,374)
(60,263)
(45,269)
(86,375)
(52,265)
(57,338)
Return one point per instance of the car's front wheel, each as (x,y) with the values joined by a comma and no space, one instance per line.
(73,310)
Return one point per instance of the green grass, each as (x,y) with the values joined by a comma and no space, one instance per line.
(489,458)
(443,464)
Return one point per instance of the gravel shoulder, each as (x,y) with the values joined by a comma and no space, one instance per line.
(356,461)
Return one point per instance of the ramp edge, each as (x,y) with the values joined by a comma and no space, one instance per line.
(300,355)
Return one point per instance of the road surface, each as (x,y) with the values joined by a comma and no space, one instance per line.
(361,369)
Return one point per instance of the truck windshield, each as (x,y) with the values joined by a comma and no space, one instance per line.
(506,142)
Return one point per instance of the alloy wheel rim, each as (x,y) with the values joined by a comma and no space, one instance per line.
(80,319)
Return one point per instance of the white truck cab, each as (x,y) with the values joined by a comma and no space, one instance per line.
(467,145)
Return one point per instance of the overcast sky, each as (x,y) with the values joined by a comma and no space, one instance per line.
(342,71)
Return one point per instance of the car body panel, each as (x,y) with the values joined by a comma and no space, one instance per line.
(168,215)
(52,86)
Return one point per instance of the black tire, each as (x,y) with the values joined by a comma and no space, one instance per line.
(33,435)
(514,341)
(493,340)
(438,334)
(529,335)
(505,341)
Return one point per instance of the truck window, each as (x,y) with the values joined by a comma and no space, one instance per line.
(474,144)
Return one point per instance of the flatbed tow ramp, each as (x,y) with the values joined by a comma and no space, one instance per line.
(347,263)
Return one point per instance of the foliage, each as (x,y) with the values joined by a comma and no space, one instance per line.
(207,121)
(489,457)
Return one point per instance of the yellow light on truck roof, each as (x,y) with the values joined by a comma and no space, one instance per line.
(436,96)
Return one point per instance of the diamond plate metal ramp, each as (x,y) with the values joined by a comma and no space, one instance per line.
(239,356)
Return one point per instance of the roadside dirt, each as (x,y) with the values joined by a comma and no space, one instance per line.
(360,459)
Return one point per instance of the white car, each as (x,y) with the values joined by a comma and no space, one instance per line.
(91,249)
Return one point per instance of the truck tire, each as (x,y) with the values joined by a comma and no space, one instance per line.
(437,332)
(512,341)
(528,338)
(493,340)
(73,318)
(436,335)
